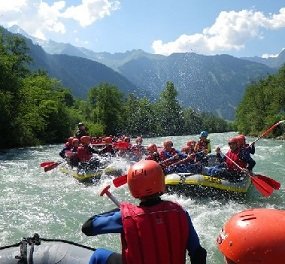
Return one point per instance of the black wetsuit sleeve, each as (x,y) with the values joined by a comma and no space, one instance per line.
(199,256)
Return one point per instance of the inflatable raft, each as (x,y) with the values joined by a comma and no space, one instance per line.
(91,176)
(81,175)
(38,250)
(198,184)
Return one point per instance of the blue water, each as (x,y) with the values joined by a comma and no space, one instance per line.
(55,205)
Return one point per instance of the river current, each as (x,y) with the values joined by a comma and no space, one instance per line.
(56,205)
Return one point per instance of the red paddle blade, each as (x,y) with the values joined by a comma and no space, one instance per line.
(274,184)
(51,166)
(265,189)
(43,164)
(119,181)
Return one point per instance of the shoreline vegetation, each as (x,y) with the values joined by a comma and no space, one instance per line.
(38,110)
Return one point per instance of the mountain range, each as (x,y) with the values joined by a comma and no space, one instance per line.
(208,83)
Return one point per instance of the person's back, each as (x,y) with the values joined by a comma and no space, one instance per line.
(155,231)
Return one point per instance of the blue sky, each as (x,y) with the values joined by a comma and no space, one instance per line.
(236,27)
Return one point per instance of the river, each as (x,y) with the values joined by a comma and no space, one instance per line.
(56,205)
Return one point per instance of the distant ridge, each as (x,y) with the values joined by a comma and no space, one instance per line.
(208,83)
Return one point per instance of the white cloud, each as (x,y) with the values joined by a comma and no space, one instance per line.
(37,17)
(230,31)
(90,11)
(12,5)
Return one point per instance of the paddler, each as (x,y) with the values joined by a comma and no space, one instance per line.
(254,236)
(155,231)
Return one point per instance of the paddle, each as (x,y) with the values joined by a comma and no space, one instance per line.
(119,181)
(274,184)
(43,164)
(111,196)
(265,133)
(51,166)
(262,186)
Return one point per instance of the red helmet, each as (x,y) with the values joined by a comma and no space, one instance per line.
(233,140)
(191,143)
(70,140)
(152,148)
(254,236)
(75,141)
(241,140)
(85,140)
(167,143)
(146,178)
(107,140)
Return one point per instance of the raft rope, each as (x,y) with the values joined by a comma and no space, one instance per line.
(36,241)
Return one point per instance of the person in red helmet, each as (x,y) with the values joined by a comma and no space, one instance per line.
(155,231)
(137,150)
(169,154)
(108,148)
(71,155)
(67,147)
(152,153)
(233,165)
(254,236)
(246,150)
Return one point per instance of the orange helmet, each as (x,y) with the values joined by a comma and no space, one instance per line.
(107,140)
(254,236)
(152,148)
(85,140)
(146,178)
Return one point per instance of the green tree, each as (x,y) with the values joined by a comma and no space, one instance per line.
(262,105)
(139,116)
(106,104)
(169,112)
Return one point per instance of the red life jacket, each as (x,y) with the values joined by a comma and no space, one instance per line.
(83,154)
(155,234)
(234,155)
(202,145)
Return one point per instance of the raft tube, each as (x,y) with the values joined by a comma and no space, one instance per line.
(189,184)
(38,250)
(82,176)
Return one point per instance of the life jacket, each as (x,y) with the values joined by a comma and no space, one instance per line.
(203,145)
(154,234)
(234,155)
(153,156)
(83,154)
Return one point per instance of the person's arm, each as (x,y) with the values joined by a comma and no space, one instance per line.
(196,252)
(252,148)
(109,222)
